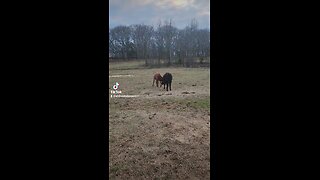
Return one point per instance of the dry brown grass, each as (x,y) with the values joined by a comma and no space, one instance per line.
(160,134)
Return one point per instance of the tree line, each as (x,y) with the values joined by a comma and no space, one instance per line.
(162,42)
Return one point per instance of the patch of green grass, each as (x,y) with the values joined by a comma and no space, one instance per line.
(111,139)
(116,168)
(202,103)
(199,103)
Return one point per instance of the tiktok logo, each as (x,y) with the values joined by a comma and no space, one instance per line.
(116,86)
(115,91)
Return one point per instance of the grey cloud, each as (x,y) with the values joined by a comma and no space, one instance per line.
(127,12)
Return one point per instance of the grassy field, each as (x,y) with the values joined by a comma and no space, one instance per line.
(159,134)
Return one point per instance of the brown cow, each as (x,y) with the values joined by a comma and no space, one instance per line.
(157,77)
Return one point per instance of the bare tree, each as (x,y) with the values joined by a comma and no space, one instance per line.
(190,41)
(120,38)
(165,39)
(163,42)
(203,44)
(180,46)
(142,38)
(114,47)
(169,34)
(159,41)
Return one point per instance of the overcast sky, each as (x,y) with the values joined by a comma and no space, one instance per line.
(149,12)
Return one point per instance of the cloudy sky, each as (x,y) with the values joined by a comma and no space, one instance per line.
(149,12)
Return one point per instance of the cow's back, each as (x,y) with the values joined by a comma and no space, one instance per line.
(157,77)
(167,78)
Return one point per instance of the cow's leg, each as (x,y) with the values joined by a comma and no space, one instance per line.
(157,82)
(170,86)
(164,86)
(167,86)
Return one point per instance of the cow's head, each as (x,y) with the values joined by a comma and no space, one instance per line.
(161,82)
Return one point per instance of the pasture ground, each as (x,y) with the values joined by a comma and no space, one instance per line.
(160,134)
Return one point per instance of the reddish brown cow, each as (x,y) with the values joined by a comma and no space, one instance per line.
(157,77)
